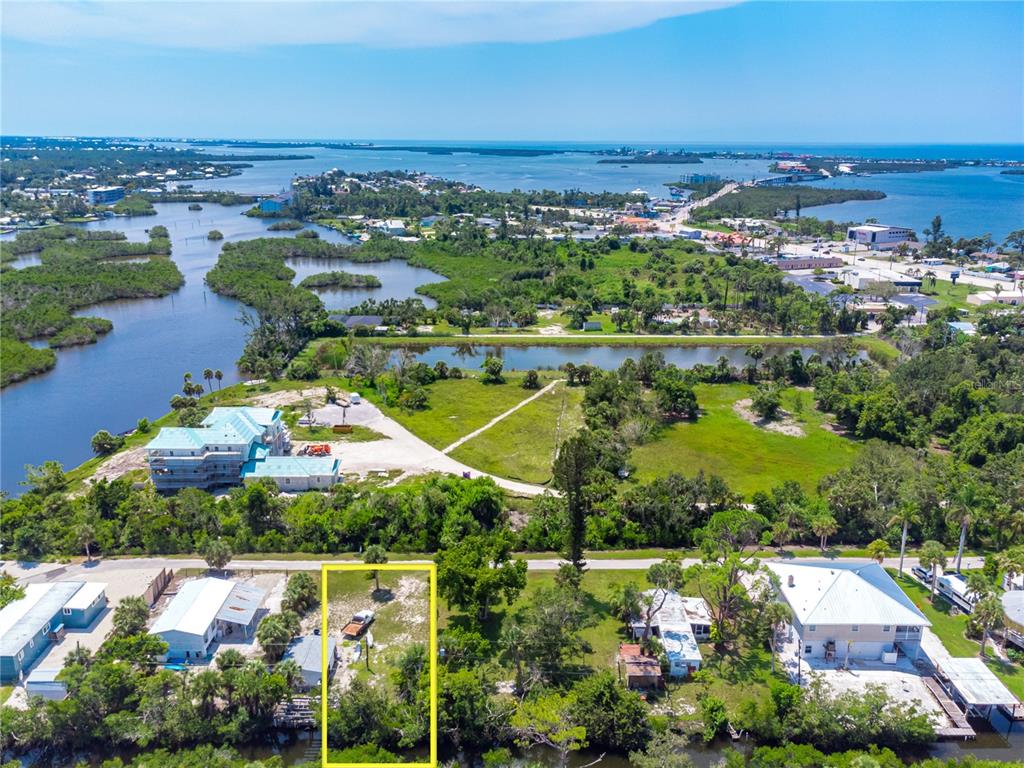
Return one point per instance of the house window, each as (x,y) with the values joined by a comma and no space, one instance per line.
(811,628)
(886,628)
(855,628)
(67,611)
(21,655)
(31,643)
(46,628)
(807,649)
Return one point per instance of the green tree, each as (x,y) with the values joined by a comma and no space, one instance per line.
(273,635)
(531,380)
(666,577)
(103,443)
(967,499)
(10,590)
(575,460)
(907,514)
(301,593)
(932,557)
(85,537)
(493,367)
(823,525)
(217,553)
(544,721)
(375,554)
(1015,240)
(613,717)
(988,615)
(477,572)
(665,750)
(208,376)
(878,550)
(130,616)
(766,401)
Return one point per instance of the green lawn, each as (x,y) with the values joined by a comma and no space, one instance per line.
(522,446)
(456,407)
(5,693)
(747,457)
(951,631)
(949,295)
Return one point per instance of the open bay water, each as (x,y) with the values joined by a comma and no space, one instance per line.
(135,369)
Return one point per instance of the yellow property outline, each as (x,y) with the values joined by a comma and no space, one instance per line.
(431,569)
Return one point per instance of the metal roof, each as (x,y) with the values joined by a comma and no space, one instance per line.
(678,611)
(224,426)
(307,652)
(291,466)
(85,596)
(845,593)
(975,682)
(194,608)
(40,676)
(24,619)
(680,645)
(1013,606)
(241,604)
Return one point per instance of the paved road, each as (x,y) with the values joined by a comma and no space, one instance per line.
(112,568)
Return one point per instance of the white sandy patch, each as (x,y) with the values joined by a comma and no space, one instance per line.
(783,423)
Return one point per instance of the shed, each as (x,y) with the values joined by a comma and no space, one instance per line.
(44,683)
(307,652)
(640,669)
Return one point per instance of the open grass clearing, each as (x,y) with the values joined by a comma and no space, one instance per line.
(522,446)
(456,407)
(746,456)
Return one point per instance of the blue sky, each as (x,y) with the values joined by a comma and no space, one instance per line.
(911,72)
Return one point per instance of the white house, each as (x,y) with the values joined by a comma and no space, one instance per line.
(307,652)
(206,610)
(395,227)
(679,623)
(847,611)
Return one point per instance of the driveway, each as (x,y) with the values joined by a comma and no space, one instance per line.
(405,452)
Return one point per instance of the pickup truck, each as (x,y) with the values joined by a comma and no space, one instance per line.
(360,621)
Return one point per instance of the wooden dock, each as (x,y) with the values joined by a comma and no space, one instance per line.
(297,713)
(960,729)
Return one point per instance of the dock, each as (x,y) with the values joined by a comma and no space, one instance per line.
(960,729)
(296,714)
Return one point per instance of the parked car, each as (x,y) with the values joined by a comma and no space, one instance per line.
(922,573)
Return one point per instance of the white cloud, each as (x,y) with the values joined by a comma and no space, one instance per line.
(241,25)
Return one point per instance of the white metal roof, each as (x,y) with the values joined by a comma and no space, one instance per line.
(678,611)
(975,682)
(241,604)
(85,596)
(24,618)
(194,608)
(1013,606)
(845,593)
(680,645)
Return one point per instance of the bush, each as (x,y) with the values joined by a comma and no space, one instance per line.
(104,443)
(215,234)
(766,402)
(532,381)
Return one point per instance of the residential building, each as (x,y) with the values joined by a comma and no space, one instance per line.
(688,233)
(678,623)
(865,280)
(277,203)
(787,263)
(879,236)
(393,227)
(294,473)
(233,445)
(29,625)
(104,195)
(204,611)
(844,611)
(307,652)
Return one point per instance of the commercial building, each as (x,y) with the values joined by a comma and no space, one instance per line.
(787,263)
(1011,298)
(233,445)
(205,611)
(844,611)
(104,195)
(29,625)
(865,280)
(307,652)
(879,236)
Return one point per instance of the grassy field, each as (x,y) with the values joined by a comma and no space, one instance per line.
(5,693)
(747,457)
(522,446)
(457,407)
(949,295)
(401,615)
(951,630)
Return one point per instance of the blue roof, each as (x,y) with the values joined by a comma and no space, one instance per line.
(232,426)
(291,466)
(25,618)
(307,652)
(40,675)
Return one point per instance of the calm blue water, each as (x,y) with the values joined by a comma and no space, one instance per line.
(133,371)
(971,201)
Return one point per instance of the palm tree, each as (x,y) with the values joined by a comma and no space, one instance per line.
(777,615)
(208,375)
(933,557)
(206,686)
(290,671)
(824,525)
(878,549)
(273,636)
(375,554)
(988,615)
(979,586)
(85,535)
(1012,562)
(218,375)
(965,502)
(905,516)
